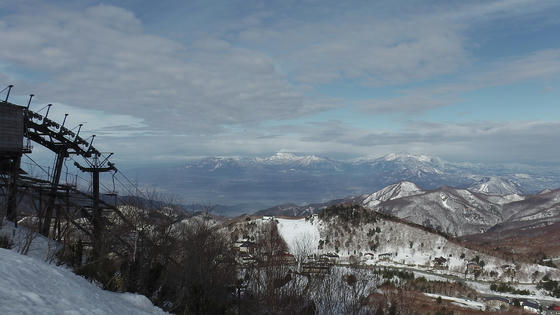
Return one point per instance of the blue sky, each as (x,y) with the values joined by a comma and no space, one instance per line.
(172,80)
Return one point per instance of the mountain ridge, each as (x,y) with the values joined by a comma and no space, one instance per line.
(447,209)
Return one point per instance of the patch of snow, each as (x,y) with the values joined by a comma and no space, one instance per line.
(444,199)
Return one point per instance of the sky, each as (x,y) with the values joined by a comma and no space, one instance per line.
(161,81)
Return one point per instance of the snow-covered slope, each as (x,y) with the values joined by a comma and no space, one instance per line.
(299,235)
(399,190)
(30,286)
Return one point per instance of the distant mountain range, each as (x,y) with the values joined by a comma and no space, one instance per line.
(249,184)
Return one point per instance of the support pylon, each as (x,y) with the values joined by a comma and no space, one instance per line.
(95,168)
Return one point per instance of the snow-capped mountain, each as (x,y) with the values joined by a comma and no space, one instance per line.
(283,158)
(408,166)
(294,178)
(422,162)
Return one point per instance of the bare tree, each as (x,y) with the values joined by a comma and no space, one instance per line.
(303,248)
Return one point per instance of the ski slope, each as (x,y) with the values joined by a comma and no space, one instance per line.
(299,234)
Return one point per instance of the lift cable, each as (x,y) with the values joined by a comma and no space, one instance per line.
(37,164)
(133,185)
(124,186)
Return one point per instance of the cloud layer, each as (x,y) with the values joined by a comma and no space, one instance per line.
(255,80)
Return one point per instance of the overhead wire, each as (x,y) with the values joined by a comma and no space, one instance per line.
(124,186)
(125,183)
(4,89)
(37,164)
(37,111)
(133,185)
(47,173)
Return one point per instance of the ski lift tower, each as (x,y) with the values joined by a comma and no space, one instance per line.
(95,167)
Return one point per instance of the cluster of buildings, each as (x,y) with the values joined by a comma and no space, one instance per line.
(246,251)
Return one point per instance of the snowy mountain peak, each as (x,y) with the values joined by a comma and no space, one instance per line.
(398,190)
(287,157)
(283,156)
(405,156)
(494,185)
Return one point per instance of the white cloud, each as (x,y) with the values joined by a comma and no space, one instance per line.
(210,93)
(100,58)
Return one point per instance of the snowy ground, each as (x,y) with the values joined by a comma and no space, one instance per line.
(31,286)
